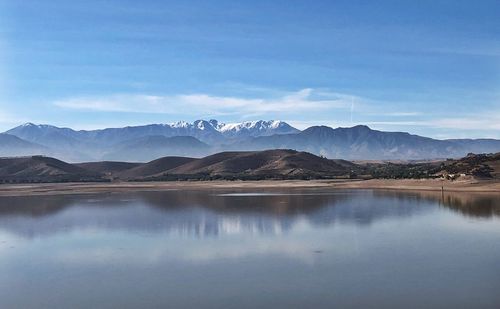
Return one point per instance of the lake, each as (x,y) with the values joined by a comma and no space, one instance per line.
(297,248)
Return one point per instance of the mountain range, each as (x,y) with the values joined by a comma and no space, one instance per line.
(202,138)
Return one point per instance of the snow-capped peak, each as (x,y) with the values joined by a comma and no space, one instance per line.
(180,124)
(38,126)
(212,124)
(260,125)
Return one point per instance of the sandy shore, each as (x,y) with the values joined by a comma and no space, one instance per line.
(407,184)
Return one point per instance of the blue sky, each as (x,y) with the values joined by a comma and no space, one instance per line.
(426,67)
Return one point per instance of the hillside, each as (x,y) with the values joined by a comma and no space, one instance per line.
(243,165)
(154,167)
(107,167)
(43,169)
(484,166)
(264,164)
(478,165)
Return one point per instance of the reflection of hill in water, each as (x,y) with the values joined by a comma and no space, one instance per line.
(205,213)
(481,205)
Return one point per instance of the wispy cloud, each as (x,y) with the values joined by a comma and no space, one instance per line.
(296,102)
(298,108)
(403,114)
(480,122)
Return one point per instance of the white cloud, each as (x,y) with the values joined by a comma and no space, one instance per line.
(404,114)
(294,102)
(297,108)
(481,122)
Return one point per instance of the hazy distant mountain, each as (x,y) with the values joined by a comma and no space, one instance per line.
(481,145)
(64,143)
(207,131)
(46,135)
(11,145)
(361,142)
(147,142)
(152,147)
(85,145)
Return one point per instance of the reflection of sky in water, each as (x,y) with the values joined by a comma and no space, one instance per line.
(202,215)
(344,245)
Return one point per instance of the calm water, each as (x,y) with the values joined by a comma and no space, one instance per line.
(272,249)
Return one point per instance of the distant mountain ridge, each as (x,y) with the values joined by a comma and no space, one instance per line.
(206,131)
(360,142)
(11,145)
(202,137)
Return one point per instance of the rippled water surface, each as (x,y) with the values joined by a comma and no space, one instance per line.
(251,249)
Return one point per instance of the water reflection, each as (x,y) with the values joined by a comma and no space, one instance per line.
(218,249)
(210,213)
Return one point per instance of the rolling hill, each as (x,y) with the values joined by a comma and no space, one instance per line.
(479,165)
(43,169)
(107,167)
(263,164)
(243,165)
(155,167)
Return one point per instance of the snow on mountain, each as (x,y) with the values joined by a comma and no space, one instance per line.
(240,129)
(359,142)
(256,128)
(93,143)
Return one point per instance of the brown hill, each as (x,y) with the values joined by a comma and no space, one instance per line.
(108,167)
(43,169)
(478,165)
(251,165)
(270,164)
(262,164)
(155,167)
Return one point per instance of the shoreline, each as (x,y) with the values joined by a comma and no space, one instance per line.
(471,186)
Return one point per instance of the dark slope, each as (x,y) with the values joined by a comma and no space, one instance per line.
(154,167)
(43,169)
(151,147)
(264,164)
(107,167)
